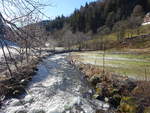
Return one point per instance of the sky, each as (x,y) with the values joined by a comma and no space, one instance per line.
(53,9)
(65,7)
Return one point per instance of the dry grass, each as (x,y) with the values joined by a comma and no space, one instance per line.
(18,81)
(142,93)
(140,90)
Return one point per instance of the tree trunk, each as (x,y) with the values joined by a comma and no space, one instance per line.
(6,58)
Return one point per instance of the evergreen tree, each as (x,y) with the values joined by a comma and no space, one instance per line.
(94,15)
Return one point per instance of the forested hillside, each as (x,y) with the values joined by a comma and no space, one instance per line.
(103,12)
(100,17)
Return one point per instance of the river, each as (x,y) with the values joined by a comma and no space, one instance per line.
(58,87)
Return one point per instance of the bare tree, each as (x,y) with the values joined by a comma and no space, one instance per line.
(81,38)
(15,15)
(67,39)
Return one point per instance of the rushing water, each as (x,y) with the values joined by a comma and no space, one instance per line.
(58,87)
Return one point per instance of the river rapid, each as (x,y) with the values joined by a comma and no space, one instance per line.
(58,87)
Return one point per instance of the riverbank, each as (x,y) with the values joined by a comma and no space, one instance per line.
(16,85)
(58,87)
(132,64)
(57,78)
(124,94)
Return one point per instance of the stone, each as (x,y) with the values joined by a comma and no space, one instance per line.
(18,91)
(28,99)
(95,96)
(95,79)
(98,94)
(113,91)
(24,82)
(106,105)
(21,111)
(37,111)
(80,68)
(106,99)
(16,102)
(115,100)
(2,97)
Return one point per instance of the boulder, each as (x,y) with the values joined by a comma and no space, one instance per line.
(115,100)
(18,90)
(95,79)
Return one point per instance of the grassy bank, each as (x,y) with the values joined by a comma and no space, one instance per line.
(124,94)
(135,65)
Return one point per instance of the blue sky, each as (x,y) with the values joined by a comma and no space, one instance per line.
(65,7)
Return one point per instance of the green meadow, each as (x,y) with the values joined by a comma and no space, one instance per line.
(126,64)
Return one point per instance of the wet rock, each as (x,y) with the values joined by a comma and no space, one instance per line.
(37,111)
(129,84)
(113,91)
(3,91)
(2,97)
(115,100)
(98,94)
(16,102)
(75,109)
(100,111)
(80,68)
(24,81)
(95,79)
(106,99)
(28,99)
(18,90)
(125,84)
(21,111)
(106,106)
(36,69)
(30,78)
(102,90)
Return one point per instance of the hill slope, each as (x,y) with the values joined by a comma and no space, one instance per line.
(98,20)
